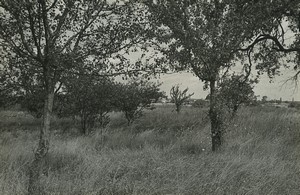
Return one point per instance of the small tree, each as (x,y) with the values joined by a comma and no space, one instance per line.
(178,97)
(136,96)
(235,91)
(264,99)
(88,98)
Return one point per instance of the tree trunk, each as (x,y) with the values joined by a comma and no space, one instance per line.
(84,123)
(43,147)
(129,118)
(178,107)
(214,114)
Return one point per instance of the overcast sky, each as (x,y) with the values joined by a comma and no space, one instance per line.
(274,90)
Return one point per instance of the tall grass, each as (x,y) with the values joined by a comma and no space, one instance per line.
(161,153)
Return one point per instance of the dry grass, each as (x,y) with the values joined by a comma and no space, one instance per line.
(161,153)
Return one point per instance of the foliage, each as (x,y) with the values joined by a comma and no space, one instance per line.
(294,105)
(26,90)
(264,99)
(89,98)
(135,96)
(178,97)
(200,103)
(7,96)
(235,91)
(33,102)
(275,44)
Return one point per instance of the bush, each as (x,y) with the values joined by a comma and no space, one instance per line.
(90,99)
(200,103)
(294,105)
(135,96)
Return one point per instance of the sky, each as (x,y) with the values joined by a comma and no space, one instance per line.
(275,89)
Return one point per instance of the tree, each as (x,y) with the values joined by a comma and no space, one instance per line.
(178,97)
(135,96)
(89,98)
(264,99)
(47,39)
(235,91)
(205,37)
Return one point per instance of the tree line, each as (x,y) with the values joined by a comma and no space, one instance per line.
(91,100)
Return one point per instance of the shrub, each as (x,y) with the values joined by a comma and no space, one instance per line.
(89,98)
(200,103)
(135,96)
(294,105)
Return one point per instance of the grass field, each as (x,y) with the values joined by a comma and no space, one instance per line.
(161,153)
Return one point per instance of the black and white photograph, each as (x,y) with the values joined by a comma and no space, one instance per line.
(149,97)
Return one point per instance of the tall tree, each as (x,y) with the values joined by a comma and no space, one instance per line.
(47,39)
(205,37)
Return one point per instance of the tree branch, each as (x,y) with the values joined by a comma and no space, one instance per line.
(46,27)
(62,20)
(33,33)
(279,48)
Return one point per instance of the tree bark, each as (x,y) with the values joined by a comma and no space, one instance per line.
(216,133)
(43,147)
